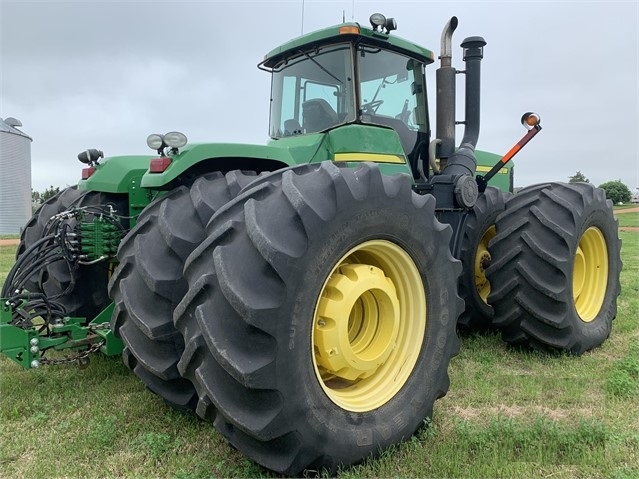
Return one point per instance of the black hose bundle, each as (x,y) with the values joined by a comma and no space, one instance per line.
(61,241)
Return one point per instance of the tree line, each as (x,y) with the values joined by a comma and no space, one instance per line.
(616,190)
(40,197)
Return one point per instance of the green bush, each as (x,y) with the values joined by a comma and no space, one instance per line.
(616,191)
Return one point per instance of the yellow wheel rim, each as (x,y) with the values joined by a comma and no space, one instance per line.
(482,261)
(368,326)
(590,274)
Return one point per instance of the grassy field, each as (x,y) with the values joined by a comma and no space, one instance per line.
(628,219)
(511,414)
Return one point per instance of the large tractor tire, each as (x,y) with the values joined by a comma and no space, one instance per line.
(89,294)
(474,287)
(149,281)
(320,317)
(555,270)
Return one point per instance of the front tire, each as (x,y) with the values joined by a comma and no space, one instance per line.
(556,278)
(320,317)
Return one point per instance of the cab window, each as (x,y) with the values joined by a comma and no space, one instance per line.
(312,91)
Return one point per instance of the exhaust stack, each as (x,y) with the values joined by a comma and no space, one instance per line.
(463,161)
(445,101)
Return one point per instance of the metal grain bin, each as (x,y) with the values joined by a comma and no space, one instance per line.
(15,177)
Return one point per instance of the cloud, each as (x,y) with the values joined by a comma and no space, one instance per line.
(106,74)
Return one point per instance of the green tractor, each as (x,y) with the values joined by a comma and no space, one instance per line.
(304,295)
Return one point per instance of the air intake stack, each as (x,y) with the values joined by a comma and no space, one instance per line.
(462,161)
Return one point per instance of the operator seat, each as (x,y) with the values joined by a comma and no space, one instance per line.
(317,115)
(292,127)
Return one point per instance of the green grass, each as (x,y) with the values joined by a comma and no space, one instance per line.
(509,413)
(7,258)
(628,219)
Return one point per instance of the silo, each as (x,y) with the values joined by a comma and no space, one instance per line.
(15,177)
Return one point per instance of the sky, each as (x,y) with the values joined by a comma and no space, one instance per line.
(106,74)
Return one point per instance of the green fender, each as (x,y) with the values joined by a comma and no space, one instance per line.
(117,174)
(229,156)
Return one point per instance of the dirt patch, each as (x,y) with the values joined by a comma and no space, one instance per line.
(634,209)
(629,228)
(9,242)
(518,411)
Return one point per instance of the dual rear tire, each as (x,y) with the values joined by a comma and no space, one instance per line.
(149,281)
(555,270)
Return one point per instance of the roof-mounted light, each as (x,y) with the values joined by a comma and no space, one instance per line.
(377,20)
(346,29)
(380,21)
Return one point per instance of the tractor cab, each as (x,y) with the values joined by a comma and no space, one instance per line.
(350,74)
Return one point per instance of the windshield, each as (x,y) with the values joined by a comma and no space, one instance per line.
(312,92)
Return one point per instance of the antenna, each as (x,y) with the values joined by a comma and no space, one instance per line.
(343,16)
(302,17)
(353,11)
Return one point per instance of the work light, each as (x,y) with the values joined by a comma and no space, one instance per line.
(155,141)
(175,139)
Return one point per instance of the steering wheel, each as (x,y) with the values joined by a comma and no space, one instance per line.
(371,107)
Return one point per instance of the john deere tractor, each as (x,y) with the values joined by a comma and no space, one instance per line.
(303,296)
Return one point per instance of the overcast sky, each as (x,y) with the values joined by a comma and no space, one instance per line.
(105,74)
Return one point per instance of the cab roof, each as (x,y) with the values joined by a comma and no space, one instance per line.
(346,32)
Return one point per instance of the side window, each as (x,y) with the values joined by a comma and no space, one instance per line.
(391,88)
(312,91)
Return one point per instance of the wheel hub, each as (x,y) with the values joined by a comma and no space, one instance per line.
(357,322)
(590,274)
(482,262)
(368,326)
